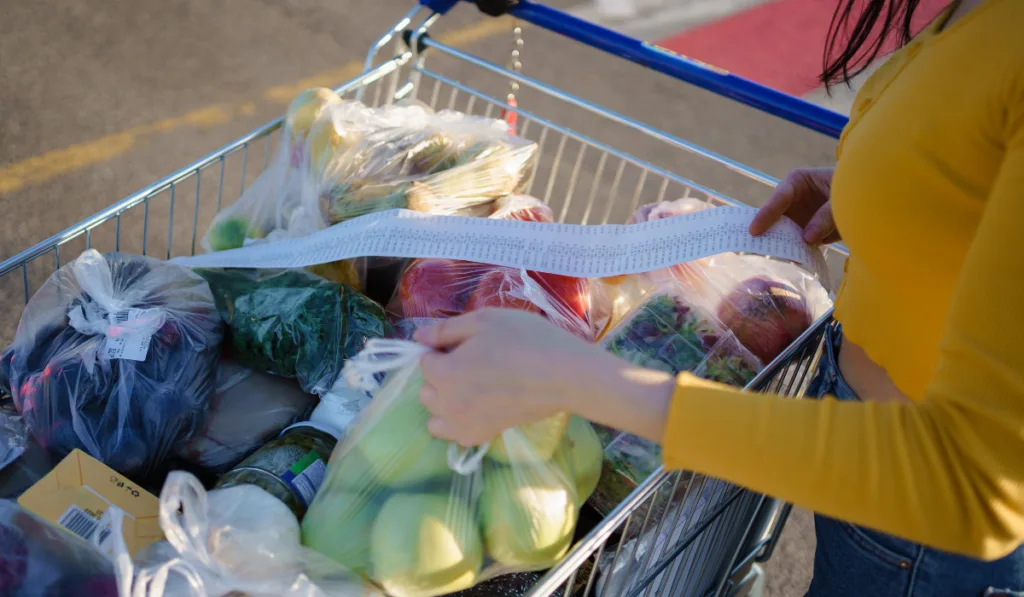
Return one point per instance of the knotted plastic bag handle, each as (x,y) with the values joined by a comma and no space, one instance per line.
(152,581)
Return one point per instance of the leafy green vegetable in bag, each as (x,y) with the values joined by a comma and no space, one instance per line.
(294,324)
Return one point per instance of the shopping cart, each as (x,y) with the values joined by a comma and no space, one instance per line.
(678,533)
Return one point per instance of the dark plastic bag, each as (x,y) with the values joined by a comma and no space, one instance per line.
(12,432)
(116,354)
(37,559)
(294,324)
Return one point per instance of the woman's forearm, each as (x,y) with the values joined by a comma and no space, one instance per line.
(625,397)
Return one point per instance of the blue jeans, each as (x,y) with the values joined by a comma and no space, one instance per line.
(853,560)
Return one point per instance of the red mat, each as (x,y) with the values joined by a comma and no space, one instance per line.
(778,44)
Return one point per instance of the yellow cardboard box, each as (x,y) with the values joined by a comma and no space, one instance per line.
(77,494)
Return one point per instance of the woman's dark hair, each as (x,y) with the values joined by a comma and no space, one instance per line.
(858,33)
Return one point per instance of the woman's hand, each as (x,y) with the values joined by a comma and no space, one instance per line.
(505,368)
(804,197)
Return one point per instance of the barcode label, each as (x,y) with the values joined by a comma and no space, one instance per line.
(88,527)
(127,343)
(79,522)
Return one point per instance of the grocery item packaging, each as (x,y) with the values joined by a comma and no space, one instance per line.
(37,559)
(339,159)
(271,207)
(419,516)
(292,466)
(292,323)
(721,318)
(116,355)
(766,303)
(235,541)
(78,494)
(431,289)
(13,435)
(364,160)
(667,332)
(247,409)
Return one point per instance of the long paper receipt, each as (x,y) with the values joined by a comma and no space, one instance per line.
(566,249)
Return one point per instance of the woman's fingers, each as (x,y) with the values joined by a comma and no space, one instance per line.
(449,332)
(441,429)
(821,226)
(776,206)
(428,397)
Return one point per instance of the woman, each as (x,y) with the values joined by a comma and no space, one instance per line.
(927,465)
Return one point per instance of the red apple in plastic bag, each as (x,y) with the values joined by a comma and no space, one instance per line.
(436,288)
(570,302)
(522,208)
(766,315)
(503,288)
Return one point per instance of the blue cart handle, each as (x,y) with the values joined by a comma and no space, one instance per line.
(705,76)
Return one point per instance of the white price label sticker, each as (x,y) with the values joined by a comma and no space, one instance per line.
(86,525)
(127,341)
(566,249)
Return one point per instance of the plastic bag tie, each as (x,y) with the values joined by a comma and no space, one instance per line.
(381,355)
(94,321)
(184,531)
(466,461)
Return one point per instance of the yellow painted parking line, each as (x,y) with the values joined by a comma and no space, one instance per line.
(58,162)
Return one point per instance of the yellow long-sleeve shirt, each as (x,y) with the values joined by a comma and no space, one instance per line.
(928,195)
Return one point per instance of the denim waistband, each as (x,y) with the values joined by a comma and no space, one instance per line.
(829,379)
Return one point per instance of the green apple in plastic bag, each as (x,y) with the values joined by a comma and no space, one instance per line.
(582,449)
(424,545)
(341,530)
(528,513)
(397,445)
(531,443)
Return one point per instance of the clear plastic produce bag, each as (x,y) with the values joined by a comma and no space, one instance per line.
(247,409)
(294,324)
(364,160)
(431,289)
(420,516)
(271,208)
(272,205)
(38,559)
(227,542)
(766,303)
(116,354)
(522,208)
(721,318)
(339,159)
(667,332)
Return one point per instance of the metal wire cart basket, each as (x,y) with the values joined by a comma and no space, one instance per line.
(678,533)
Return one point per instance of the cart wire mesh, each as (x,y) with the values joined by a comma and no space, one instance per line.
(679,533)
